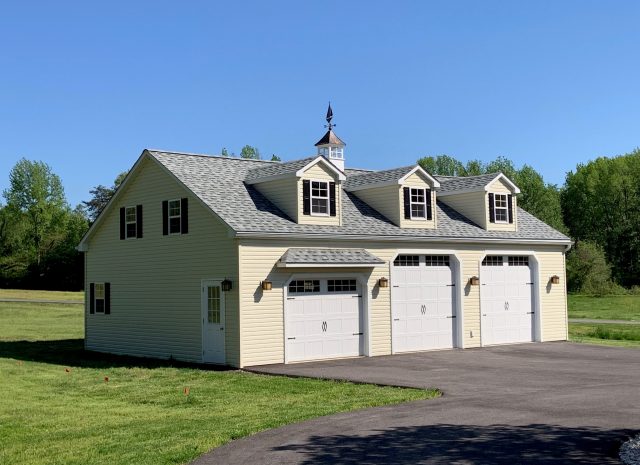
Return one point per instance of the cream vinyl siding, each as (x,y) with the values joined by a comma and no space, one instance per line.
(283,194)
(416,180)
(262,315)
(384,200)
(156,280)
(473,205)
(499,187)
(319,172)
(552,296)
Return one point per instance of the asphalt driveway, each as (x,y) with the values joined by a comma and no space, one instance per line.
(552,403)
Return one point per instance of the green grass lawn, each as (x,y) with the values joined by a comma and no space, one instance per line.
(617,307)
(57,407)
(48,295)
(606,334)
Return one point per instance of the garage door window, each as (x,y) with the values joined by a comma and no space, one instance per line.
(407,260)
(518,261)
(341,285)
(492,260)
(437,260)
(304,286)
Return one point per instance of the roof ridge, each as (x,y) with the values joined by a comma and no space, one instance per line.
(466,177)
(385,170)
(282,163)
(205,155)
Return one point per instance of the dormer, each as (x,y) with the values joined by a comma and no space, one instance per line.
(406,196)
(309,191)
(489,200)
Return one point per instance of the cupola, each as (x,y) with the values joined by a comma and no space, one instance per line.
(330,146)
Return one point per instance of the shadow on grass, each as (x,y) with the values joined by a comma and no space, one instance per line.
(466,444)
(71,353)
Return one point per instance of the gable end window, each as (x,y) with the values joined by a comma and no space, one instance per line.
(417,203)
(500,208)
(100,298)
(175,216)
(319,198)
(131,222)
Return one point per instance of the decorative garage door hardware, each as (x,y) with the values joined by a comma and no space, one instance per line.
(324,326)
(423,309)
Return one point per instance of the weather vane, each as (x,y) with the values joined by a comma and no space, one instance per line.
(329,118)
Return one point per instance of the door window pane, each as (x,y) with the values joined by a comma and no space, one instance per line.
(213,304)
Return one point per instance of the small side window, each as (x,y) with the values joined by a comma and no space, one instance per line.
(99,298)
(174,216)
(131,221)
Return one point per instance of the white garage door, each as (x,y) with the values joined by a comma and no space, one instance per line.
(323,319)
(507,300)
(422,303)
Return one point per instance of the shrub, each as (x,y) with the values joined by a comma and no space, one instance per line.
(588,271)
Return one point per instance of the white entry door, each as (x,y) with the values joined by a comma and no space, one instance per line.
(422,303)
(323,319)
(506,300)
(212,322)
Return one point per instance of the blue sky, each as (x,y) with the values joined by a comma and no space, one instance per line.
(86,86)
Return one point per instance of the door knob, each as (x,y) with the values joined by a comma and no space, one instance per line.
(221,328)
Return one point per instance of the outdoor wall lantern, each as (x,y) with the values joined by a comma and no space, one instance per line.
(266,285)
(555,279)
(383,282)
(474,281)
(227,285)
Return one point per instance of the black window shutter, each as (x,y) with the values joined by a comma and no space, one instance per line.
(165,217)
(107,298)
(510,204)
(139,221)
(184,215)
(306,197)
(492,212)
(427,193)
(407,203)
(92,298)
(122,223)
(332,198)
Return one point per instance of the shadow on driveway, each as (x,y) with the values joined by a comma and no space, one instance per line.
(464,444)
(71,352)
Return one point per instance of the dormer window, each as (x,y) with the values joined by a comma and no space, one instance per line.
(319,198)
(418,203)
(500,207)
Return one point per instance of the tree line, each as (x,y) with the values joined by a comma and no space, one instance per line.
(598,206)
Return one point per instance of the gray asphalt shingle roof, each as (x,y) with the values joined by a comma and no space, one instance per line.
(219,183)
(375,177)
(302,256)
(265,170)
(453,183)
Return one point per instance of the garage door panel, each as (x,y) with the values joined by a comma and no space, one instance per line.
(422,301)
(323,324)
(507,304)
